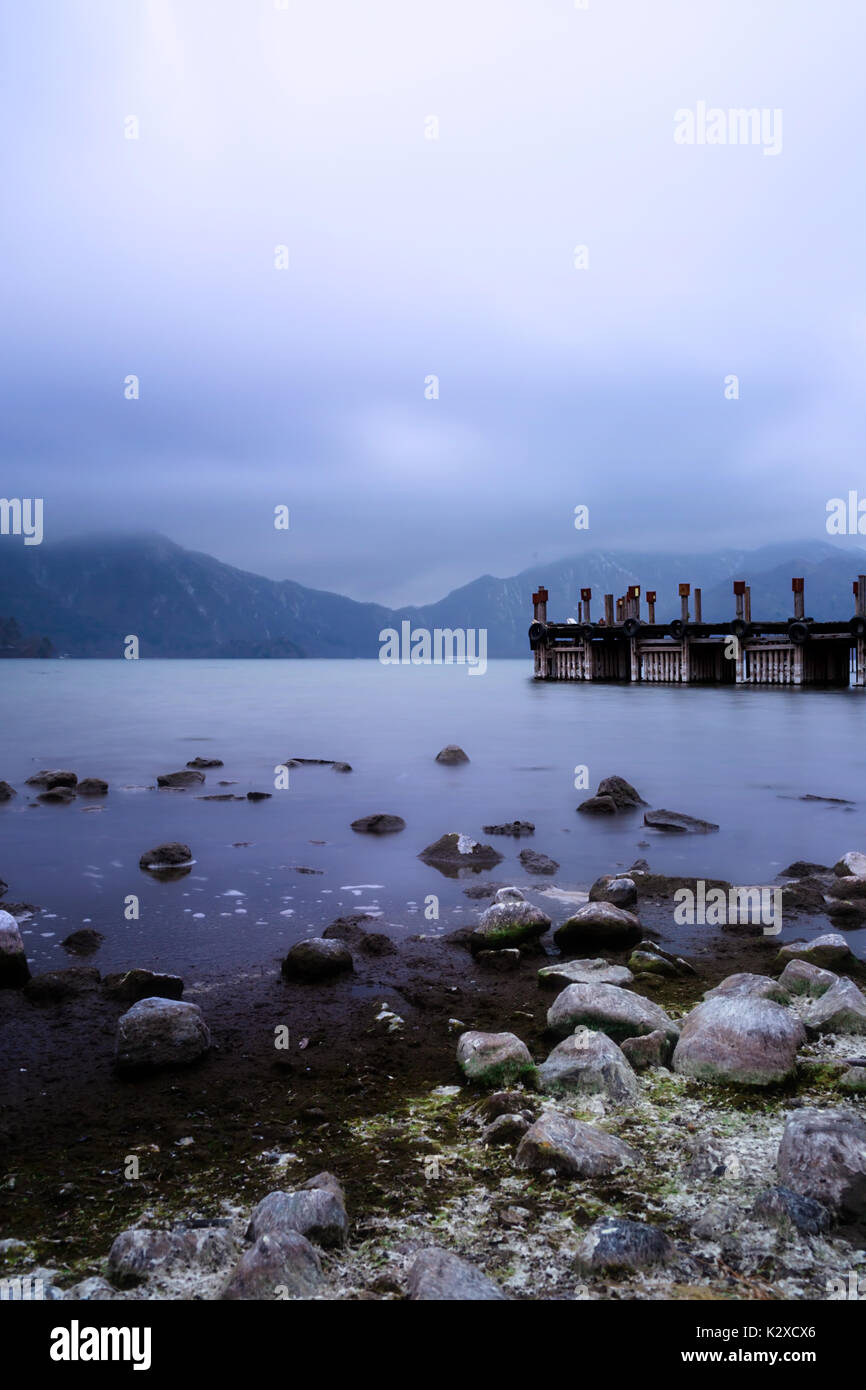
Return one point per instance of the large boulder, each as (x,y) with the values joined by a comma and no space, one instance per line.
(599,924)
(572,1148)
(317,1210)
(507,924)
(851,864)
(584,972)
(49,779)
(14,970)
(823,1156)
(452,754)
(379,824)
(750,987)
(621,792)
(589,1063)
(740,1039)
(829,951)
(160,1033)
(171,855)
(610,1010)
(453,852)
(613,888)
(613,1245)
(320,958)
(494,1059)
(801,977)
(677,822)
(187,777)
(842,1009)
(278,1266)
(142,1253)
(438,1276)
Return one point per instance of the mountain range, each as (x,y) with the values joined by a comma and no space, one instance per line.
(85,596)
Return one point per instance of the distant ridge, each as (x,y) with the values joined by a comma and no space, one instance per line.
(87,595)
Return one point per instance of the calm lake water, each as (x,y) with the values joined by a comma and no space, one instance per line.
(741,757)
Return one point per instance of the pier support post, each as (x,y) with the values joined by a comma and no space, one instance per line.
(635,658)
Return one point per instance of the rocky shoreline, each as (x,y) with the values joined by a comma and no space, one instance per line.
(566,1100)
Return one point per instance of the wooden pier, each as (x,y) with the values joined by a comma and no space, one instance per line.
(624,646)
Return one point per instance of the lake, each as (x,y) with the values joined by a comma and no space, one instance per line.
(742,757)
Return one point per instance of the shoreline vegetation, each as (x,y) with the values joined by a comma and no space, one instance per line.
(551,1103)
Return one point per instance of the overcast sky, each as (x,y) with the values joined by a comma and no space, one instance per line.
(408,256)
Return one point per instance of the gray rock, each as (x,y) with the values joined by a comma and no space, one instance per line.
(187,777)
(848,886)
(739,1039)
(842,1009)
(94,1289)
(650,963)
(505,1129)
(589,1063)
(317,1211)
(50,779)
(508,894)
(319,958)
(854,1080)
(453,852)
(806,895)
(651,1050)
(514,827)
(610,1009)
(599,924)
(168,856)
(205,762)
(616,1246)
(140,1254)
(829,951)
(584,972)
(598,806)
(612,888)
(712,1157)
(92,786)
(452,754)
(823,1156)
(801,977)
(279,1266)
(83,942)
(621,792)
(52,986)
(750,987)
(494,1059)
(14,970)
(853,863)
(678,823)
(781,1207)
(717,1220)
(535,863)
(132,985)
(379,824)
(438,1276)
(506,924)
(571,1148)
(803,868)
(60,796)
(159,1033)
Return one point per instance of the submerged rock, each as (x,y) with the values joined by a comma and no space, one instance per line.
(14,970)
(599,924)
(60,796)
(259,796)
(452,754)
(187,777)
(317,959)
(678,823)
(612,1010)
(823,1156)
(451,853)
(506,924)
(50,779)
(159,1033)
(589,1063)
(83,942)
(572,1148)
(317,1210)
(739,1039)
(494,1059)
(515,828)
(278,1266)
(614,1245)
(92,786)
(205,762)
(598,806)
(380,824)
(535,863)
(438,1276)
(170,855)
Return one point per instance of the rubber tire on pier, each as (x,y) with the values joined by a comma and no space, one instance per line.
(537,635)
(632,626)
(678,629)
(857,626)
(741,629)
(798,632)
(587,632)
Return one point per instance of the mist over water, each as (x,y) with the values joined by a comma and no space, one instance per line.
(740,757)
